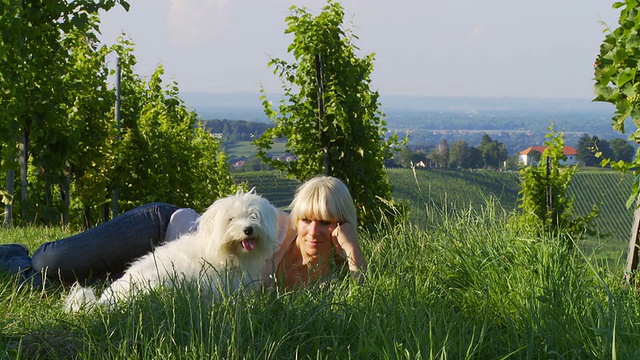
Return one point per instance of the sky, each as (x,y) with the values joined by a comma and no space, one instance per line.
(466,48)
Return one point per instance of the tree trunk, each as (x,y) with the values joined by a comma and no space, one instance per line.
(65,195)
(88,221)
(24,161)
(8,208)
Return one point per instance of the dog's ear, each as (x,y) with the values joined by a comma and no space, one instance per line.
(206,222)
(269,216)
(241,192)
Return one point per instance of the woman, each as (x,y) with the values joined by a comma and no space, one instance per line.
(320,233)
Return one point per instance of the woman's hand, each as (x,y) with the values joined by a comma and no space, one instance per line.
(345,239)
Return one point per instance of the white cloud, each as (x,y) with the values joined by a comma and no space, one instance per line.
(192,22)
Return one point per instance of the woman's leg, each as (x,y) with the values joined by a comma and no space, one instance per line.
(14,260)
(106,249)
(183,221)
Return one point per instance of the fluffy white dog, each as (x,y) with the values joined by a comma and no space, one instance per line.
(234,239)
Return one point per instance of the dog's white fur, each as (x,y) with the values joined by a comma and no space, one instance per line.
(236,236)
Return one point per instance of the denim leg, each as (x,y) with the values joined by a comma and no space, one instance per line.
(14,260)
(106,249)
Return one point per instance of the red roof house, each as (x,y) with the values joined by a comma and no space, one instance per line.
(570,152)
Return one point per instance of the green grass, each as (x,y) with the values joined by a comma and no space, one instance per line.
(453,189)
(448,189)
(247,149)
(467,286)
(273,185)
(462,282)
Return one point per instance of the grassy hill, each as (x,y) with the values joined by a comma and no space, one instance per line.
(273,185)
(448,189)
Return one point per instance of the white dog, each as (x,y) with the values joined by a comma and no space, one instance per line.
(234,239)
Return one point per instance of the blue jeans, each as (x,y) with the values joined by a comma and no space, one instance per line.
(98,253)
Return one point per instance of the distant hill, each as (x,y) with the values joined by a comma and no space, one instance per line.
(446,190)
(504,104)
(516,122)
(227,106)
(441,113)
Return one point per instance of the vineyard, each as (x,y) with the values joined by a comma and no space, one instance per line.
(449,189)
(609,191)
(273,185)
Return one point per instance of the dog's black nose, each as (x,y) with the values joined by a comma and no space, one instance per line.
(248,230)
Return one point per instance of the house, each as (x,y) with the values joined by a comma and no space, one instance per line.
(524,157)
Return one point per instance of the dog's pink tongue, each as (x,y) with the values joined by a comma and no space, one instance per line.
(249,244)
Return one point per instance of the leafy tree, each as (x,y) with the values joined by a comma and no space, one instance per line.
(166,155)
(617,81)
(585,148)
(475,158)
(33,63)
(603,148)
(622,150)
(543,197)
(236,130)
(590,149)
(406,157)
(493,152)
(90,119)
(459,154)
(159,151)
(439,155)
(329,115)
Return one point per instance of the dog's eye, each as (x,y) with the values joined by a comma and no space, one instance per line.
(230,219)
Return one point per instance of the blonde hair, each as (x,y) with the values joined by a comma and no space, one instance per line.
(323,198)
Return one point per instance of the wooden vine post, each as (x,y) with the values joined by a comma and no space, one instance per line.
(632,255)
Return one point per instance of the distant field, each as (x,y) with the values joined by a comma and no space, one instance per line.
(448,189)
(609,191)
(239,149)
(273,185)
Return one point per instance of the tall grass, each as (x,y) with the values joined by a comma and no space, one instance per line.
(465,284)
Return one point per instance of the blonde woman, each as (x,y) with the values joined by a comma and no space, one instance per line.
(318,236)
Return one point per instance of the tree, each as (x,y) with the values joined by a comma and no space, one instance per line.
(585,148)
(459,155)
(33,63)
(543,195)
(158,152)
(439,155)
(407,157)
(622,150)
(90,120)
(590,149)
(475,158)
(493,152)
(617,81)
(603,149)
(329,115)
(165,154)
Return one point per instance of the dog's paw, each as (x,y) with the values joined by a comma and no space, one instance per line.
(79,298)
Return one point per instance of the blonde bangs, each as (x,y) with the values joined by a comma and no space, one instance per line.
(324,199)
(314,206)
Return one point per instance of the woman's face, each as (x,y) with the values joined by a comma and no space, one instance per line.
(315,236)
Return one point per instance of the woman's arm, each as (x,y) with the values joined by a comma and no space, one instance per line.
(345,238)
